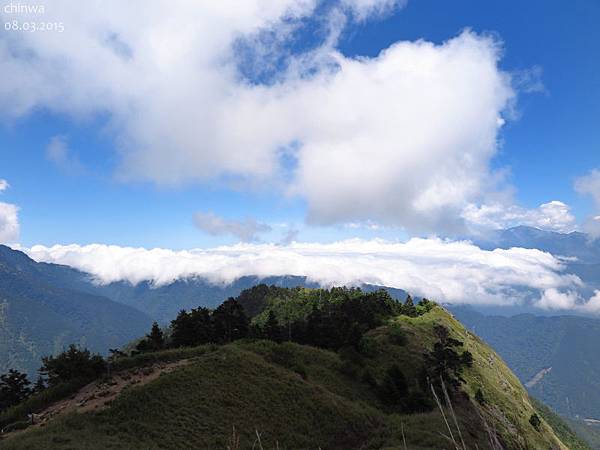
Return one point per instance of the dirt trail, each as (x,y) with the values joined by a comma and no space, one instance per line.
(99,395)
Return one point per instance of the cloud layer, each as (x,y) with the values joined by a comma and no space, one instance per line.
(455,272)
(404,138)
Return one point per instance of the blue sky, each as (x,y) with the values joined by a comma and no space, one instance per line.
(80,194)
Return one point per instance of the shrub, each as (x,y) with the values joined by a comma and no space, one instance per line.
(535,421)
(424,306)
(479,397)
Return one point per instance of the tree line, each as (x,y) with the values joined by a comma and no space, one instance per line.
(333,319)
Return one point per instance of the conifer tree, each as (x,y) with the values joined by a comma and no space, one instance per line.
(156,338)
(230,322)
(40,384)
(14,388)
(74,363)
(271,329)
(409,309)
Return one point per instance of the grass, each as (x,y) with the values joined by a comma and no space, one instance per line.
(508,407)
(298,397)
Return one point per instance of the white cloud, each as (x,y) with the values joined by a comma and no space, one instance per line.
(592,305)
(552,216)
(590,185)
(9,223)
(365,8)
(59,153)
(530,80)
(554,299)
(9,218)
(246,230)
(455,272)
(404,138)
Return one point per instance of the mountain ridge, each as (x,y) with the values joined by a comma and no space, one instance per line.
(300,396)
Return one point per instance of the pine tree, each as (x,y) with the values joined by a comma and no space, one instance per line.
(271,329)
(156,339)
(193,328)
(14,388)
(445,362)
(409,309)
(74,363)
(40,384)
(230,322)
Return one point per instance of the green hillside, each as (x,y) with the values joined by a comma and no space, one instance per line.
(298,396)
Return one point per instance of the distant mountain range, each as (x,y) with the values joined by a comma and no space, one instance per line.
(557,358)
(575,244)
(41,315)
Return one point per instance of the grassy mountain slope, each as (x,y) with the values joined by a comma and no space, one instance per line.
(302,397)
(40,318)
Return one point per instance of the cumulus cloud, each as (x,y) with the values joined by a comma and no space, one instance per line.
(552,216)
(455,272)
(593,304)
(554,299)
(590,185)
(246,230)
(403,138)
(9,218)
